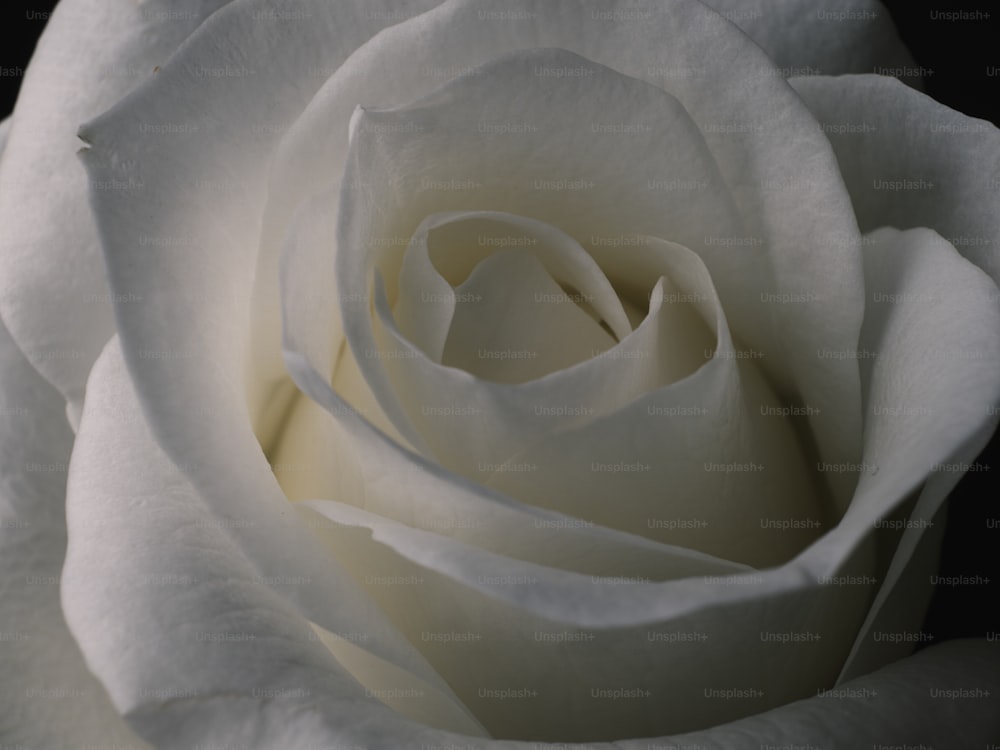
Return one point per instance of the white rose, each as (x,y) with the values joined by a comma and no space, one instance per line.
(381,447)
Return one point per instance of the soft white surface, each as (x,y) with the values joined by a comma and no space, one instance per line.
(196,356)
(53,293)
(909,161)
(48,697)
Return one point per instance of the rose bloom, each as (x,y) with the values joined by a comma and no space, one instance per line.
(467,374)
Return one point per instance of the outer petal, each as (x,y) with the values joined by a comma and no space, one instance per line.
(169,611)
(909,161)
(930,352)
(53,292)
(831,37)
(947,696)
(249,506)
(193,375)
(668,646)
(262,59)
(48,698)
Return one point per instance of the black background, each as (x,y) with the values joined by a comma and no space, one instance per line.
(19,35)
(959,53)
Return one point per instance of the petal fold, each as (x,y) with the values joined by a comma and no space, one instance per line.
(567,657)
(241,79)
(48,697)
(930,351)
(53,292)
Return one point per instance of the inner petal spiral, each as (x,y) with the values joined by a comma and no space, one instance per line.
(504,297)
(668,416)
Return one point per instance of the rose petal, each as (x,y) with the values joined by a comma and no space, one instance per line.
(833,37)
(511,288)
(942,695)
(601,199)
(919,415)
(930,349)
(180,614)
(270,693)
(200,412)
(912,703)
(672,343)
(909,161)
(53,294)
(241,89)
(462,243)
(386,151)
(431,584)
(48,697)
(833,573)
(162,376)
(817,42)
(414,56)
(541,441)
(345,459)
(716,448)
